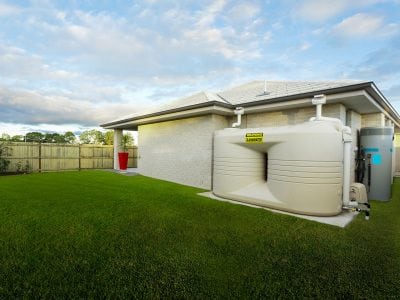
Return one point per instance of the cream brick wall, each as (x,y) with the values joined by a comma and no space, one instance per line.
(373,120)
(354,122)
(291,116)
(180,150)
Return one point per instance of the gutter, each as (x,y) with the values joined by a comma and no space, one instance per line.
(169,111)
(388,110)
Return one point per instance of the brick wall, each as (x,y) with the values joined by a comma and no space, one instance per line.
(353,120)
(373,120)
(179,150)
(291,116)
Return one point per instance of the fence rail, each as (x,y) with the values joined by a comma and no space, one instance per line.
(56,157)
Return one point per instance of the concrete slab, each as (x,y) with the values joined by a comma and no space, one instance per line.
(127,172)
(341,220)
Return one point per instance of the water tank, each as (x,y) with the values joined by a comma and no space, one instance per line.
(377,145)
(297,168)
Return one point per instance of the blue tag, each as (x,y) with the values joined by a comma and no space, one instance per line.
(376,159)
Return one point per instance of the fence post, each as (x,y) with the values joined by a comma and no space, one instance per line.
(79,156)
(40,157)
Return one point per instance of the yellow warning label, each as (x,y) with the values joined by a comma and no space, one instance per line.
(254,137)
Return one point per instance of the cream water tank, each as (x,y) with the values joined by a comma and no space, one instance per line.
(296,168)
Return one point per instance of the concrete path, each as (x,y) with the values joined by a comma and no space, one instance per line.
(341,220)
(127,172)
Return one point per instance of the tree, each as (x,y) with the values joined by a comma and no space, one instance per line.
(109,137)
(128,139)
(92,137)
(5,137)
(37,137)
(17,138)
(53,138)
(5,151)
(69,137)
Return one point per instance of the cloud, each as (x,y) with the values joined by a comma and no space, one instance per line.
(383,63)
(305,46)
(393,94)
(320,10)
(359,25)
(21,129)
(7,9)
(16,63)
(32,107)
(383,67)
(323,10)
(363,25)
(244,11)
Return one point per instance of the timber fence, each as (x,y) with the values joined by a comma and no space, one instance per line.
(57,157)
(397,161)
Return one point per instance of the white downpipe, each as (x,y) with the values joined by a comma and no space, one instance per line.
(347,139)
(318,101)
(319,112)
(239,111)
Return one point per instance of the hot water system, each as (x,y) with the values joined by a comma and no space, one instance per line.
(302,168)
(375,161)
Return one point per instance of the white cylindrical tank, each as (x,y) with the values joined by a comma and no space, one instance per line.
(295,168)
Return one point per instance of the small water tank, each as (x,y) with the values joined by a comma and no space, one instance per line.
(377,145)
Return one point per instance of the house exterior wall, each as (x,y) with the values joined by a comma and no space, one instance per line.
(373,120)
(353,120)
(290,116)
(179,151)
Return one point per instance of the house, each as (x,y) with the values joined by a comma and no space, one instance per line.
(176,140)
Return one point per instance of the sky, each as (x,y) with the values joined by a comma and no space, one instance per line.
(72,65)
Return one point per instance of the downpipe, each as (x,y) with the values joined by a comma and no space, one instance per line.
(239,111)
(347,203)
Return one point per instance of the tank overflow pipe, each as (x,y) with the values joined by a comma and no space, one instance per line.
(239,111)
(318,101)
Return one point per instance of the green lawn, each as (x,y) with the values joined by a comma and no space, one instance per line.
(101,235)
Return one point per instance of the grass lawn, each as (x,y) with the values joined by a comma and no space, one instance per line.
(101,235)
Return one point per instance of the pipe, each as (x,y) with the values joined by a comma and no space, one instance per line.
(239,111)
(369,172)
(347,139)
(318,101)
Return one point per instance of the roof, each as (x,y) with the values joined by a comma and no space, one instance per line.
(254,91)
(257,93)
(190,101)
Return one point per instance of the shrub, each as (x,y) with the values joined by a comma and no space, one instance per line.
(5,151)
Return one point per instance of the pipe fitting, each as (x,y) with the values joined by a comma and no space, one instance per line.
(239,111)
